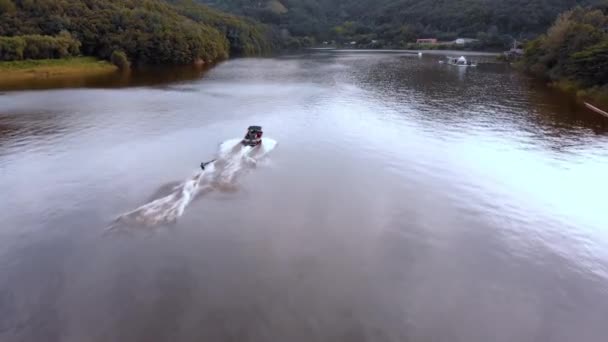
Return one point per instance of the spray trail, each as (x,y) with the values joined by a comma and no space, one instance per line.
(232,160)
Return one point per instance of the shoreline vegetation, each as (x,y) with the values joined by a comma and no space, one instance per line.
(573,55)
(45,38)
(128,32)
(26,70)
(595,95)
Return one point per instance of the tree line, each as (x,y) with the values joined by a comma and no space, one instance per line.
(395,23)
(574,50)
(37,46)
(145,31)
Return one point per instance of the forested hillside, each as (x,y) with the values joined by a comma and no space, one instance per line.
(395,22)
(574,51)
(147,31)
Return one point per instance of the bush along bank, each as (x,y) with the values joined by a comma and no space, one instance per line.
(573,54)
(30,69)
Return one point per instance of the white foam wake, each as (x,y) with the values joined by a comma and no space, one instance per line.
(232,160)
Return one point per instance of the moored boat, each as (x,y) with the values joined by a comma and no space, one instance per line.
(460,61)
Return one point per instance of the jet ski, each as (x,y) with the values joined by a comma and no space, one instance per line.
(253,137)
(203,164)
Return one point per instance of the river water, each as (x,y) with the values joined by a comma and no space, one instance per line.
(393,199)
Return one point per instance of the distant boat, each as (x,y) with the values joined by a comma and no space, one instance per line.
(460,61)
(595,109)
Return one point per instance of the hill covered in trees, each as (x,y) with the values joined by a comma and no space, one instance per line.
(147,31)
(397,22)
(185,31)
(574,51)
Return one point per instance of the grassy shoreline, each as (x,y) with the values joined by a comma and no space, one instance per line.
(595,95)
(53,68)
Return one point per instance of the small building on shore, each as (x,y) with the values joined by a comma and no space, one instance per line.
(516,51)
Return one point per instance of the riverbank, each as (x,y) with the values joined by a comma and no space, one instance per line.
(27,70)
(597,95)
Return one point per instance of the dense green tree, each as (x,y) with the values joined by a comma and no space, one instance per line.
(590,66)
(120,59)
(7,6)
(38,47)
(11,48)
(147,31)
(245,37)
(574,49)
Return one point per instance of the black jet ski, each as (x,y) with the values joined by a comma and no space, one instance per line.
(203,164)
(253,136)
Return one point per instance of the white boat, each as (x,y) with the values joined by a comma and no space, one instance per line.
(460,61)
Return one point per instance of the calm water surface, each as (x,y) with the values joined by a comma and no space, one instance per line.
(405,201)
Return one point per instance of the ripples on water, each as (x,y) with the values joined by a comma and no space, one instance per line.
(408,201)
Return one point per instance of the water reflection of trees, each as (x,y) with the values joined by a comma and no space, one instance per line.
(150,76)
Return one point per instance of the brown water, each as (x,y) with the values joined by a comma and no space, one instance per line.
(405,201)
